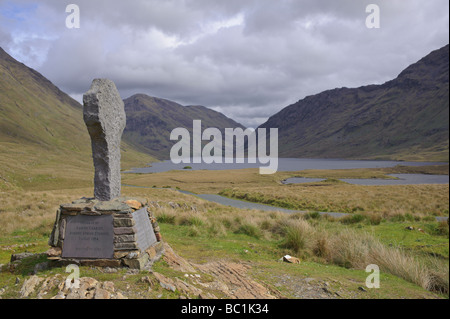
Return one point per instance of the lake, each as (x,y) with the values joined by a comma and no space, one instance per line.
(284,165)
(293,164)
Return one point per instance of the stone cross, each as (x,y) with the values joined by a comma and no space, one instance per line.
(104,115)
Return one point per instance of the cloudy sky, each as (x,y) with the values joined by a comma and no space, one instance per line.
(245,58)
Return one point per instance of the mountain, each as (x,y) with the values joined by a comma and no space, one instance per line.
(42,133)
(406,118)
(150,121)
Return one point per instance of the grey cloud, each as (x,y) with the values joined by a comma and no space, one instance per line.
(5,38)
(283,50)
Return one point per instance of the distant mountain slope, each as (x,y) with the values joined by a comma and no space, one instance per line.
(42,132)
(150,121)
(406,118)
(32,107)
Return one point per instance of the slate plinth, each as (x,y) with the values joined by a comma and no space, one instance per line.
(118,233)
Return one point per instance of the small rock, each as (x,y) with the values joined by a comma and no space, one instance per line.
(328,291)
(49,283)
(174,205)
(75,294)
(133,204)
(108,286)
(109,270)
(168,286)
(119,295)
(60,295)
(165,282)
(29,286)
(54,252)
(88,283)
(132,272)
(112,206)
(102,294)
(150,281)
(20,256)
(41,267)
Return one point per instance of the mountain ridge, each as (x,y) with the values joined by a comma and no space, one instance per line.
(150,121)
(405,118)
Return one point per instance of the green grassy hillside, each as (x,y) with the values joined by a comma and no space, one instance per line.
(43,138)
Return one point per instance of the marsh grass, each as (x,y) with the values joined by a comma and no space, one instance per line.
(351,249)
(22,210)
(352,219)
(249,229)
(404,200)
(442,229)
(298,235)
(30,214)
(313,238)
(328,196)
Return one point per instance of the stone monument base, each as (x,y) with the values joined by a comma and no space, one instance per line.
(119,233)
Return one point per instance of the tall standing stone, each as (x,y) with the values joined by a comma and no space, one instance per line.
(104,115)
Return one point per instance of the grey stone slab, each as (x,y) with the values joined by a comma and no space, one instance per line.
(104,115)
(144,230)
(113,206)
(54,237)
(89,237)
(125,246)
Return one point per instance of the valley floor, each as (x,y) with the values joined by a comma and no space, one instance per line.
(214,251)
